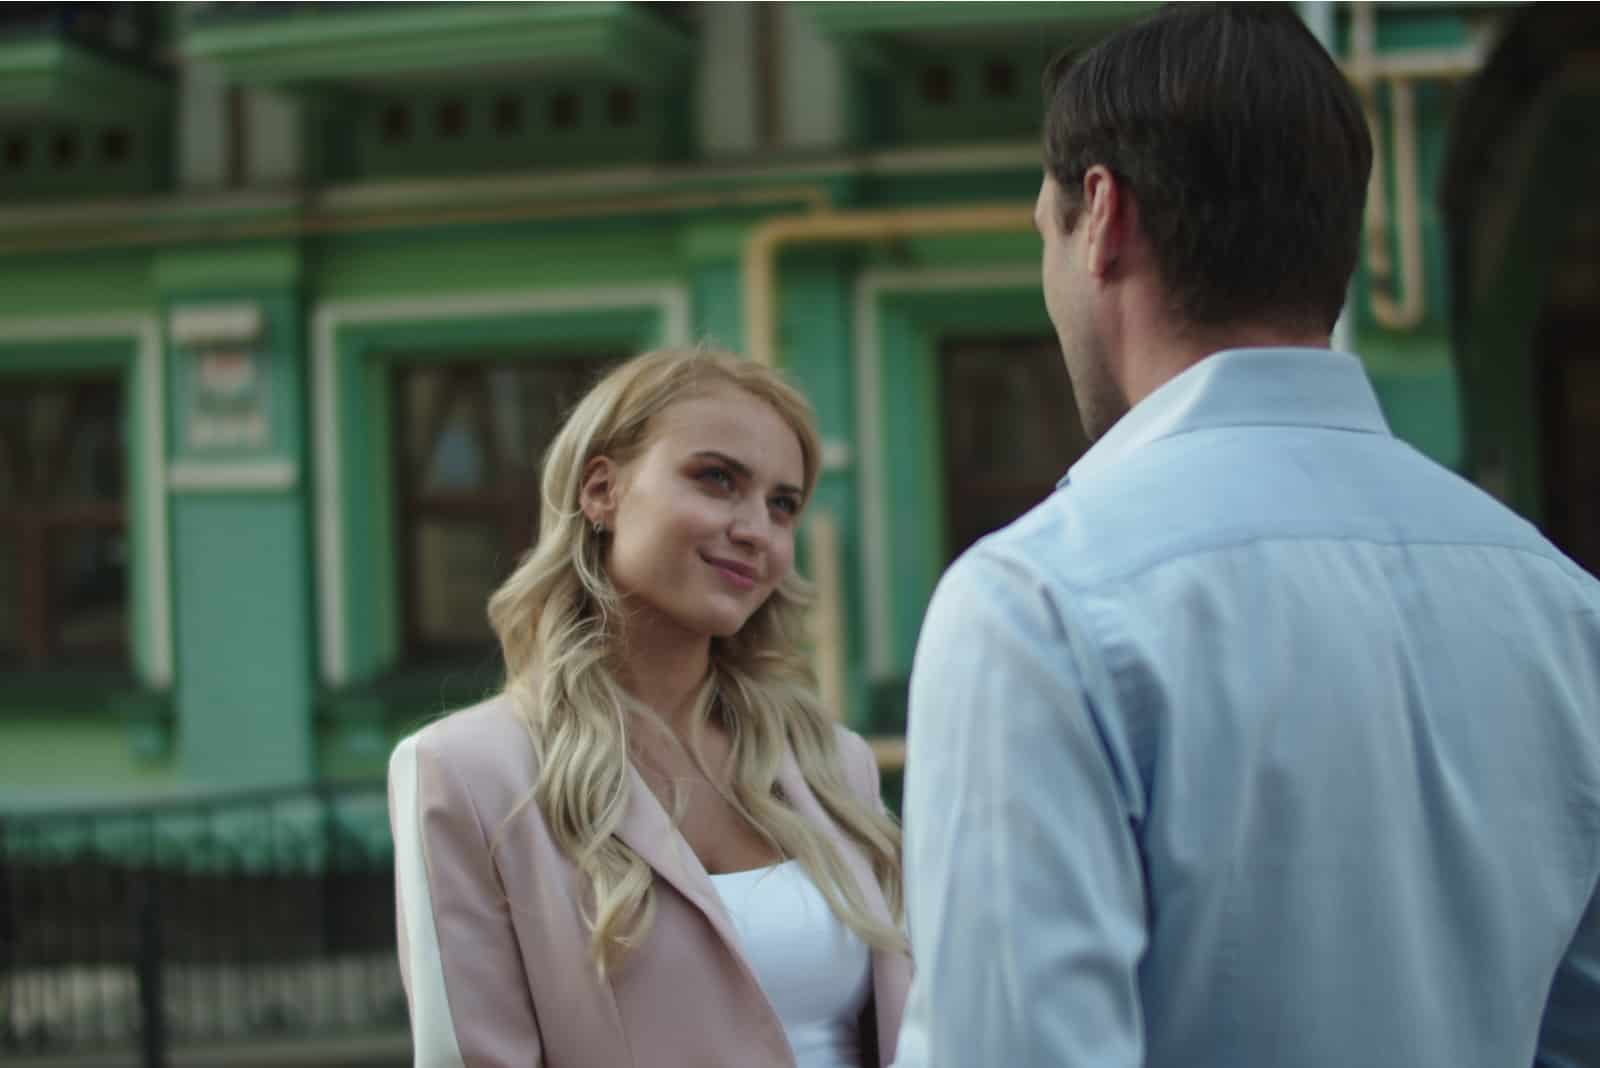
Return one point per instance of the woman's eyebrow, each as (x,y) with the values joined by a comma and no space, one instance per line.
(741,469)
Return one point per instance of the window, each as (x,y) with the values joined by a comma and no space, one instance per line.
(1012,431)
(469,441)
(63,535)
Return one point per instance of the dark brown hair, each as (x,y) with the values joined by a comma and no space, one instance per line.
(1244,148)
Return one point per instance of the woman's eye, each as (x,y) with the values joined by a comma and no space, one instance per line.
(787,505)
(720,477)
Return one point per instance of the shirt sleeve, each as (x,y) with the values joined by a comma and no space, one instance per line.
(1025,889)
(1570,1036)
(465,985)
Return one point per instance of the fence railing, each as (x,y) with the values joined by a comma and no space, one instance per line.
(236,919)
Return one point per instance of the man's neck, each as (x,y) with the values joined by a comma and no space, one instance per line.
(1162,355)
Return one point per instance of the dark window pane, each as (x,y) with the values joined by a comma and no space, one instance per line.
(938,85)
(46,414)
(1000,77)
(622,106)
(64,149)
(507,114)
(11,643)
(10,458)
(90,581)
(458,564)
(16,152)
(1011,432)
(63,551)
(566,111)
(450,119)
(395,124)
(92,467)
(470,438)
(114,145)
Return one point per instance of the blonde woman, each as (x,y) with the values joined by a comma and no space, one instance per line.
(654,848)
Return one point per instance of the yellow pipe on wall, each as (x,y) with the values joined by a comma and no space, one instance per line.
(1409,311)
(313,223)
(1366,70)
(769,238)
(827,636)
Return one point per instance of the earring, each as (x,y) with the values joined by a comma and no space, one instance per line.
(599,527)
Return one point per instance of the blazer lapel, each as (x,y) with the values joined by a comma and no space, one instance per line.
(647,830)
(891,972)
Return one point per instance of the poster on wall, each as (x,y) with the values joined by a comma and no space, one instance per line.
(229,400)
(227,378)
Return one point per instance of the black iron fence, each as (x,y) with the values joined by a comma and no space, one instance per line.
(246,918)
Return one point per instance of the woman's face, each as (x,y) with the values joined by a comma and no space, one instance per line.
(702,522)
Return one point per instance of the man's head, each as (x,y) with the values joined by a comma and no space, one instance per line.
(1205,173)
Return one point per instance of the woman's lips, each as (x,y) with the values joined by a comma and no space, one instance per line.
(741,576)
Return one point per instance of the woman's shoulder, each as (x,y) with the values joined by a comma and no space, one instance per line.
(855,756)
(486,747)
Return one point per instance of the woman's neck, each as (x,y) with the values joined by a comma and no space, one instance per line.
(664,666)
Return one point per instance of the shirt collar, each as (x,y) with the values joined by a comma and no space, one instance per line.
(1244,387)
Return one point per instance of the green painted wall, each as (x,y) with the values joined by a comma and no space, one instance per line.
(492,257)
(244,693)
(112,281)
(242,573)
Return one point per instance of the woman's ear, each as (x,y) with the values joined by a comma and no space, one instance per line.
(598,495)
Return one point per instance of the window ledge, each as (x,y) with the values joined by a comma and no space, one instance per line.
(107,696)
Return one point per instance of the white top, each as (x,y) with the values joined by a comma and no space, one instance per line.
(816,971)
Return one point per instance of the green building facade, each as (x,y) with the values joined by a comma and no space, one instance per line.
(292,295)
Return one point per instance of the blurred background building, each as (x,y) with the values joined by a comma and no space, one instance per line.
(293,294)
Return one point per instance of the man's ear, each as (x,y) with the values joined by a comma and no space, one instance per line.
(598,494)
(1108,219)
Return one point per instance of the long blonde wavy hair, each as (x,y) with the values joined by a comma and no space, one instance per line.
(556,617)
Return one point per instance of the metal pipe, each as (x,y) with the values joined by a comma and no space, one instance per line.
(1411,308)
(811,196)
(767,239)
(1367,70)
(828,616)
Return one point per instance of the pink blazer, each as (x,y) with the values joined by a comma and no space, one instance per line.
(494,951)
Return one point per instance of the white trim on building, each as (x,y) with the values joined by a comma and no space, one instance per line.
(244,476)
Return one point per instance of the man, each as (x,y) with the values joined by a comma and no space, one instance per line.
(1264,741)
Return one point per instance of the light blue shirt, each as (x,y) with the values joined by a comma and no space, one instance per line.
(1264,742)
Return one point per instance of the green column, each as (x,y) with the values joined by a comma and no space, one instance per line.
(244,626)
(711,253)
